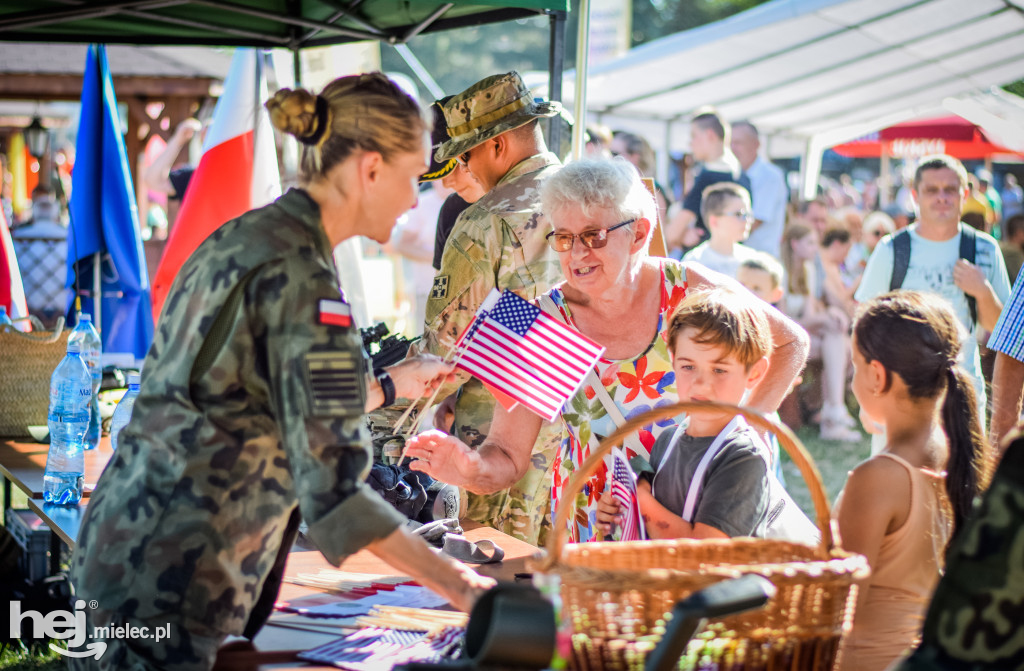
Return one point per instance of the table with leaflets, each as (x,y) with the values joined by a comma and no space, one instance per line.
(22,465)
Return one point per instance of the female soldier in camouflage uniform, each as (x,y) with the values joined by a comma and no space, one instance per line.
(250,413)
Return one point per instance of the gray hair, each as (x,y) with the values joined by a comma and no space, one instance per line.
(881,220)
(599,184)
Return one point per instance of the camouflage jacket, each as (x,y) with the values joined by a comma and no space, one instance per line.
(497,243)
(250,410)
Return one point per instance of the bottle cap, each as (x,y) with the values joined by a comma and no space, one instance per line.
(74,347)
(134,378)
(84,317)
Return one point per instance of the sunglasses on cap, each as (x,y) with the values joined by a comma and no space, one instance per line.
(594,238)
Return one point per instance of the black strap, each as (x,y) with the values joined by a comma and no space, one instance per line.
(900,259)
(968,252)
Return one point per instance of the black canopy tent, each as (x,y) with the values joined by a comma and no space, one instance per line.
(291,24)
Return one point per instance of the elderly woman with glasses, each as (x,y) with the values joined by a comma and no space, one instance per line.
(620,297)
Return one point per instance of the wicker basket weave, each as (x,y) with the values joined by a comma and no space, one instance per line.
(617,594)
(27,361)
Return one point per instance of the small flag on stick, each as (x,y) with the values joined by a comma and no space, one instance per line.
(623,489)
(513,347)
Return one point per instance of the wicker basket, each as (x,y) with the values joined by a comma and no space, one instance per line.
(617,594)
(27,361)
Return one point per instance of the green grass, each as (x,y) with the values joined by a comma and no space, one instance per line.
(38,657)
(834,460)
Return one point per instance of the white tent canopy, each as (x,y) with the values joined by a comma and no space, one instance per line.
(813,73)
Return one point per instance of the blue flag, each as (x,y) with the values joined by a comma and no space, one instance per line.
(105,219)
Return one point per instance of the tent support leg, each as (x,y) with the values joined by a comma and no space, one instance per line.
(556,64)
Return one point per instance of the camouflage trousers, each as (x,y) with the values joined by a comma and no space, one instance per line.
(144,645)
(976,615)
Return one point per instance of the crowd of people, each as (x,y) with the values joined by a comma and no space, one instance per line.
(252,410)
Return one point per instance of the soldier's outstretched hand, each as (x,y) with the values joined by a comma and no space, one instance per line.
(444,458)
(420,375)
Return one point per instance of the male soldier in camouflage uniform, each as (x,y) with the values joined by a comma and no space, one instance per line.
(250,411)
(497,243)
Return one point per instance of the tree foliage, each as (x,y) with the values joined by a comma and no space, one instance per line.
(458,58)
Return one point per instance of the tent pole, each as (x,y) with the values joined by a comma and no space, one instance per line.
(97,293)
(665,155)
(582,66)
(421,72)
(885,178)
(810,169)
(556,66)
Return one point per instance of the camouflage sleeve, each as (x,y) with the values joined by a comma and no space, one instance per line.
(316,379)
(460,287)
(466,277)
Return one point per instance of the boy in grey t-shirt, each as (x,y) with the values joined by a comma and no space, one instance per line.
(720,342)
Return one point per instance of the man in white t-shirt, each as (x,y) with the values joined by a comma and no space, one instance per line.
(935,264)
(725,207)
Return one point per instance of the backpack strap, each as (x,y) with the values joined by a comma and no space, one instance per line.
(968,252)
(900,259)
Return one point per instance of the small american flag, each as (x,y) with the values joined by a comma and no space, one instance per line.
(515,348)
(623,489)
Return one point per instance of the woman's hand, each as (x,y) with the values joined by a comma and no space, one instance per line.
(607,513)
(472,588)
(458,583)
(420,375)
(444,458)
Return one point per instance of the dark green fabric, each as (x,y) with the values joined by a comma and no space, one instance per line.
(264,25)
(974,621)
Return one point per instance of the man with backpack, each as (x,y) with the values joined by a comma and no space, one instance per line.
(941,254)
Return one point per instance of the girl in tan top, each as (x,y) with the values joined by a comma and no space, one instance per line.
(900,508)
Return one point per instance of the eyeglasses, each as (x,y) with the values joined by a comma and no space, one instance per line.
(594,239)
(742,214)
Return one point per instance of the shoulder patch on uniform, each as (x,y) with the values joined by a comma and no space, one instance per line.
(335,313)
(335,383)
(440,288)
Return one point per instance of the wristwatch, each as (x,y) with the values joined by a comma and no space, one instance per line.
(387,385)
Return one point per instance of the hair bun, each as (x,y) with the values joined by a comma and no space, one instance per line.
(298,112)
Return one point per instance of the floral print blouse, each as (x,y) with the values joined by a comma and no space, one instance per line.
(635,385)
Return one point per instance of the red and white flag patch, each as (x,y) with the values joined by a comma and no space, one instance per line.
(335,313)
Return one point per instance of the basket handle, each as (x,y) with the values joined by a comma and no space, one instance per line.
(786,437)
(50,337)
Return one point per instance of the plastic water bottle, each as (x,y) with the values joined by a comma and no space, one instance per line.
(68,420)
(86,336)
(123,411)
(5,320)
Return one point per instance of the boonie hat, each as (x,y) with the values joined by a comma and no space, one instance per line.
(438,169)
(487,109)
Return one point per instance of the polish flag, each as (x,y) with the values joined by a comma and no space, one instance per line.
(12,293)
(238,171)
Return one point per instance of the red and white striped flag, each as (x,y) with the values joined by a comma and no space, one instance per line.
(12,292)
(623,489)
(237,172)
(515,348)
